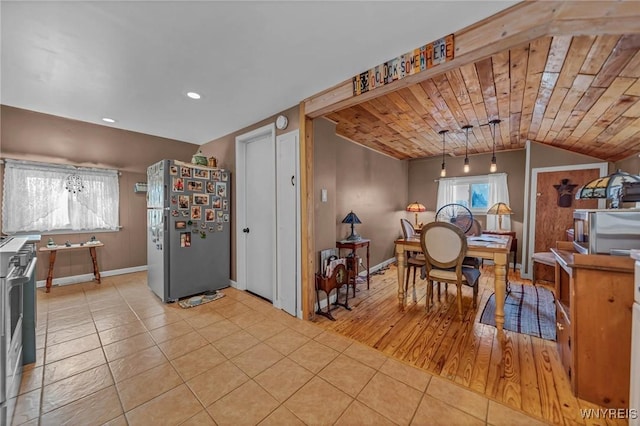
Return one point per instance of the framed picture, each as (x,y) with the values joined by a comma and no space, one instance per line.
(181,224)
(185,171)
(173,170)
(185,239)
(194,185)
(216,202)
(201,173)
(211,188)
(221,189)
(183,202)
(225,204)
(215,175)
(178,185)
(200,199)
(225,176)
(209,215)
(196,212)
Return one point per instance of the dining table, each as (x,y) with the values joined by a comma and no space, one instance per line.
(495,248)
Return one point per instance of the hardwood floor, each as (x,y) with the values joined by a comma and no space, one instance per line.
(466,352)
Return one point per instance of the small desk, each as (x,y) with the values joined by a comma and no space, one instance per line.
(514,243)
(353,246)
(52,259)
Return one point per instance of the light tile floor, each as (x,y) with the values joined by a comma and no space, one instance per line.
(114,354)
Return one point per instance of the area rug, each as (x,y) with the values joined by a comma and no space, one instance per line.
(200,299)
(528,309)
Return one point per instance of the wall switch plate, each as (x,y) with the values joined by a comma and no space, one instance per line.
(323,195)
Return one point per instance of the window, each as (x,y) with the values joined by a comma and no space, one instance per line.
(48,197)
(477,193)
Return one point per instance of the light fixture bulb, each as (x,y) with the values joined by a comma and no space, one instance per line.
(494,166)
(193,95)
(466,165)
(443,171)
(466,148)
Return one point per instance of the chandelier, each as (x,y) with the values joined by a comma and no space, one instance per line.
(74,183)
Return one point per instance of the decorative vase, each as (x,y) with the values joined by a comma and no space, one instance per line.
(213,162)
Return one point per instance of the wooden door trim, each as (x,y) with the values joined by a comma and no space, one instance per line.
(528,238)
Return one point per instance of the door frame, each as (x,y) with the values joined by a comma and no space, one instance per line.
(529,239)
(295,134)
(241,206)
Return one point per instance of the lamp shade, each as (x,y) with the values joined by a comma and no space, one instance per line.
(416,208)
(500,208)
(351,218)
(607,187)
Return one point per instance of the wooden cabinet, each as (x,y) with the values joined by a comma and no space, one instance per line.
(594,297)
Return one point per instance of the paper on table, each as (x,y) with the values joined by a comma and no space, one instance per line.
(486,238)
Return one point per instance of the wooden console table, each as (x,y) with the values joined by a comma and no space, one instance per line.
(353,246)
(52,259)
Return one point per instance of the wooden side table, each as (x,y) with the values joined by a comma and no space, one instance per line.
(514,243)
(53,253)
(353,246)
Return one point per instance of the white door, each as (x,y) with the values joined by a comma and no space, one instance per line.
(287,220)
(259,229)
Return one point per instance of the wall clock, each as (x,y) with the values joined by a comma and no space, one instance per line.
(281,122)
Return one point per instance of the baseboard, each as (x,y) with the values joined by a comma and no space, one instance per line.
(75,279)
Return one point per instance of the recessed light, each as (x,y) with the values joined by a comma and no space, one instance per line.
(193,95)
(108,120)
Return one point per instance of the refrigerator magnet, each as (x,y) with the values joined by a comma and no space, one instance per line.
(225,176)
(225,204)
(173,170)
(219,219)
(178,185)
(185,213)
(196,212)
(185,171)
(225,218)
(212,229)
(185,239)
(183,202)
(219,227)
(220,213)
(194,185)
(209,215)
(201,173)
(221,189)
(203,225)
(203,234)
(200,199)
(211,188)
(174,199)
(194,231)
(216,202)
(175,213)
(181,224)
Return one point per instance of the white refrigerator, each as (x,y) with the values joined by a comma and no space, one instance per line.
(188,229)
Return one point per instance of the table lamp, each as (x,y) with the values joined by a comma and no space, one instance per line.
(416,208)
(608,187)
(500,209)
(352,219)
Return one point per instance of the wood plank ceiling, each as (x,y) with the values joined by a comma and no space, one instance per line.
(580,93)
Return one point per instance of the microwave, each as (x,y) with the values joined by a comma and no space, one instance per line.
(606,231)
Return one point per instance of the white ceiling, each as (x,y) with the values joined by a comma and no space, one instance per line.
(134,61)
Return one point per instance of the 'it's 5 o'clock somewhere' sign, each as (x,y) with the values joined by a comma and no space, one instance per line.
(420,59)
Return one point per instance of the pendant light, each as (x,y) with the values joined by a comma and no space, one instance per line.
(443,171)
(494,165)
(466,147)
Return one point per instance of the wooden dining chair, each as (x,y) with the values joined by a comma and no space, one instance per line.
(444,246)
(414,260)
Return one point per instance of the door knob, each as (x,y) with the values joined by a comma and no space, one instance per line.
(245,230)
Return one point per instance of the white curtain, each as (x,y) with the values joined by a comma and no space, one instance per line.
(498,193)
(37,198)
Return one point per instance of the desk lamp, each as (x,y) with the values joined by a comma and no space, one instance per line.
(352,219)
(416,208)
(500,209)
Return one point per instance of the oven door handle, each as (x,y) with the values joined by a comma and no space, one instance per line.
(24,278)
